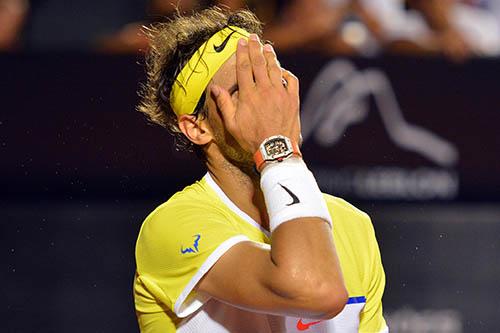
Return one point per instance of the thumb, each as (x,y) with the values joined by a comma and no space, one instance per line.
(224,102)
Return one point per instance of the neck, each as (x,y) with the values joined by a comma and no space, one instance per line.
(241,187)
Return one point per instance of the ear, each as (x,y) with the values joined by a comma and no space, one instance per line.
(196,130)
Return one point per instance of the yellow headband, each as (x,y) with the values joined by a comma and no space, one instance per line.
(194,77)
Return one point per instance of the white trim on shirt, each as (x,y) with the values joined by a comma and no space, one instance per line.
(211,182)
(185,306)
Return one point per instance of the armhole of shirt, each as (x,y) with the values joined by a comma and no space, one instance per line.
(186,304)
(385,329)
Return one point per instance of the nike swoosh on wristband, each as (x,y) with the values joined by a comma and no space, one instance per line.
(305,326)
(294,197)
(220,48)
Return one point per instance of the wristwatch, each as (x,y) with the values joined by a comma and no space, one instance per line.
(276,148)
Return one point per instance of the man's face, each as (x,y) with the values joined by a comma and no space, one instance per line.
(232,151)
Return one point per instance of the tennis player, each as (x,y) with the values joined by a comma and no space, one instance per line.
(254,246)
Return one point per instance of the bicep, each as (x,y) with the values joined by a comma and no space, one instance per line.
(300,276)
(241,277)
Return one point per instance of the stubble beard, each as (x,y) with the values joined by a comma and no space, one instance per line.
(234,154)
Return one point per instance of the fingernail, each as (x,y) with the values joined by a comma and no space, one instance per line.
(268,48)
(254,37)
(242,42)
(215,90)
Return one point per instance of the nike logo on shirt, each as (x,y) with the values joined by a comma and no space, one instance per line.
(305,326)
(295,199)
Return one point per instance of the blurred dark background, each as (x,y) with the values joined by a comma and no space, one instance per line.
(400,114)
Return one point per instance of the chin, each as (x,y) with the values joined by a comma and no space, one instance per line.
(235,155)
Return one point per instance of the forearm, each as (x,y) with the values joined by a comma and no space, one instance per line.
(12,15)
(302,249)
(285,36)
(435,12)
(307,266)
(292,31)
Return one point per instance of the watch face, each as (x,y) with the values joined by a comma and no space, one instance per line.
(277,147)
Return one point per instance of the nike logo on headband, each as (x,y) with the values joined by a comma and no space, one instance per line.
(295,200)
(220,48)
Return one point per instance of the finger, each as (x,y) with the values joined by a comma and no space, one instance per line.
(292,82)
(224,104)
(273,67)
(259,67)
(243,67)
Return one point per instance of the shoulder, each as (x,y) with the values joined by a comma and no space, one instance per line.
(189,226)
(185,212)
(341,208)
(350,221)
(194,200)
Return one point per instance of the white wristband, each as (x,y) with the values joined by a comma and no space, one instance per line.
(291,192)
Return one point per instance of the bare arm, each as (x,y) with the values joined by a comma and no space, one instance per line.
(295,28)
(435,12)
(12,15)
(449,40)
(300,275)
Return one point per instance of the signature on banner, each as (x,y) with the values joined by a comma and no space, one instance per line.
(340,97)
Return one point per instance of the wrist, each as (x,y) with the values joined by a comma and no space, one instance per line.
(290,192)
(275,149)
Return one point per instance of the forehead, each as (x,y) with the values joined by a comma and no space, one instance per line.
(226,75)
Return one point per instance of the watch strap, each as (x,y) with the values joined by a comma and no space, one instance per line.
(260,160)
